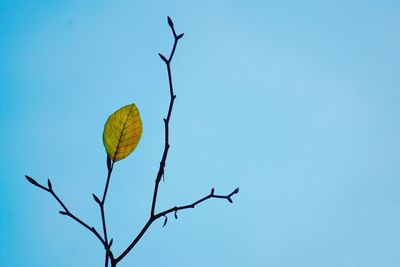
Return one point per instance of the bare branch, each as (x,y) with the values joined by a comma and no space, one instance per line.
(193,205)
(109,257)
(109,254)
(160,173)
(66,210)
(167,119)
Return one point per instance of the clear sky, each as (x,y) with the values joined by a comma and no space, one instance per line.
(296,102)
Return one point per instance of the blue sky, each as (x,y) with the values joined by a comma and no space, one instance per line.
(296,102)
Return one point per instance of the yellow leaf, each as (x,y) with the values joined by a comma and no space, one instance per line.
(122,132)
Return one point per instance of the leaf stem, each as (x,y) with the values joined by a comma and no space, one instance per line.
(109,254)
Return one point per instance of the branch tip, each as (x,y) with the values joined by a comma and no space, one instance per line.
(229,199)
(96,199)
(163,57)
(170,23)
(31,180)
(63,212)
(180,36)
(50,186)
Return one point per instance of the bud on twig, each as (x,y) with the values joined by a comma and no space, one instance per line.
(31,180)
(165,221)
(162,57)
(63,212)
(170,23)
(96,198)
(49,185)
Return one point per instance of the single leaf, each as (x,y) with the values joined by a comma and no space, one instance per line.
(122,132)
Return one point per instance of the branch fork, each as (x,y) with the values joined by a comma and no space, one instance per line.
(109,256)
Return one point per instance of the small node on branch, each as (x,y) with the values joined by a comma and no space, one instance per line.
(230,200)
(63,212)
(111,242)
(180,36)
(212,191)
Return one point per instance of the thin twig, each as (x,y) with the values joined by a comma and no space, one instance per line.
(109,254)
(157,216)
(153,216)
(66,211)
(166,146)
(167,119)
(160,173)
(193,205)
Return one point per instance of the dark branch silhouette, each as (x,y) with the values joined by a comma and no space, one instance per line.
(66,211)
(109,256)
